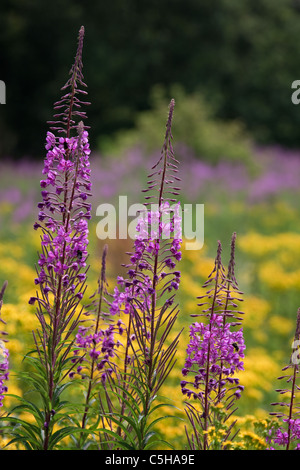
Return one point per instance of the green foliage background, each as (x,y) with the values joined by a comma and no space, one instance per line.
(241,56)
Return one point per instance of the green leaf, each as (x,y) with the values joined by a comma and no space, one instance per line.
(161,418)
(62,433)
(21,440)
(26,431)
(120,443)
(157,443)
(26,405)
(160,405)
(131,422)
(134,408)
(148,437)
(59,390)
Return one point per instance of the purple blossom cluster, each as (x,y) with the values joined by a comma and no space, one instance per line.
(100,348)
(64,213)
(4,365)
(164,239)
(283,436)
(213,352)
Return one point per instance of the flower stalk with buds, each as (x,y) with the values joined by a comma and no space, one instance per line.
(147,297)
(214,354)
(62,265)
(97,345)
(4,353)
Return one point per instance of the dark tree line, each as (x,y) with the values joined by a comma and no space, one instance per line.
(241,55)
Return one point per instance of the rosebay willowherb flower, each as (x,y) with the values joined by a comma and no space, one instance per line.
(286,432)
(215,354)
(63,219)
(4,353)
(146,297)
(62,264)
(64,210)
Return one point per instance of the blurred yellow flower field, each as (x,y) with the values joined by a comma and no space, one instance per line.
(268,329)
(267,270)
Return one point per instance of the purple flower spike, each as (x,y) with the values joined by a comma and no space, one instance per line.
(65,232)
(215,351)
(63,221)
(147,295)
(4,355)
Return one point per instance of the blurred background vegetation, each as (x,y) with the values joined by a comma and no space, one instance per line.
(230,65)
(238,58)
